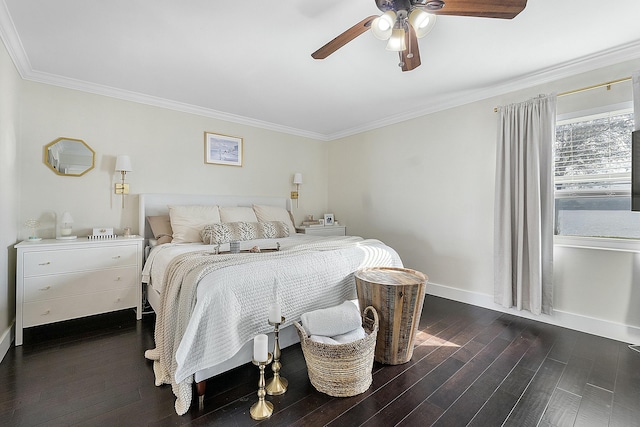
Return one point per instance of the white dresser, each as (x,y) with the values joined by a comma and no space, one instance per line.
(66,279)
(329,230)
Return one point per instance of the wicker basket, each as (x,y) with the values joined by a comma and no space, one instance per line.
(341,370)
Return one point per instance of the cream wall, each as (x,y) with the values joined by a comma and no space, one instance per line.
(426,187)
(10,84)
(167,152)
(408,184)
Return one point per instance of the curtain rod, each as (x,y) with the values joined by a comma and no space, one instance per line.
(584,89)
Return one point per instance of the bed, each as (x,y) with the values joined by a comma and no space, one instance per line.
(210,303)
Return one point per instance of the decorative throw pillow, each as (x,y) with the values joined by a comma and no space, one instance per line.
(188,221)
(266,213)
(226,232)
(161,228)
(273,229)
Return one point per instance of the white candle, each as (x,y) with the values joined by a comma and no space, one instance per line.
(275,314)
(260,348)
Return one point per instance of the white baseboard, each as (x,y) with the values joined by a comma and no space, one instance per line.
(5,341)
(578,322)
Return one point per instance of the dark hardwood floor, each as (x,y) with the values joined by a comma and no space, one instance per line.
(471,366)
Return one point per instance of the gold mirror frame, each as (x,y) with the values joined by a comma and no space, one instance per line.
(69,157)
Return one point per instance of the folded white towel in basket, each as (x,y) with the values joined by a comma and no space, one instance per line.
(351,336)
(323,339)
(332,321)
(356,334)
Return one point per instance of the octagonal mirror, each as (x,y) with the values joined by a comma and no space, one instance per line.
(69,157)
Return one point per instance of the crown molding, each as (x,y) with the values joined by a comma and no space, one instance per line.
(83,86)
(9,36)
(12,41)
(584,64)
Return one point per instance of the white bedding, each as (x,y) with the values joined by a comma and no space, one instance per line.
(160,256)
(225,303)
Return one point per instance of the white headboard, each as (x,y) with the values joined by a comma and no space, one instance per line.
(158,204)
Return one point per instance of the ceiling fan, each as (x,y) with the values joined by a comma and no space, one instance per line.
(404,21)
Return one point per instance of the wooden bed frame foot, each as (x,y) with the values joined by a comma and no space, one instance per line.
(201,387)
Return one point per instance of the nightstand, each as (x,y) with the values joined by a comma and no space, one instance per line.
(329,230)
(65,279)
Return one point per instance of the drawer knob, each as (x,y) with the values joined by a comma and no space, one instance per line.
(45,263)
(46,313)
(46,288)
(118,279)
(116,257)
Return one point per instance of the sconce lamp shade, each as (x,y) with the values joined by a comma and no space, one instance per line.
(297,178)
(123,163)
(67,218)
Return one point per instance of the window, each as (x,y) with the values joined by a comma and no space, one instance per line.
(593,176)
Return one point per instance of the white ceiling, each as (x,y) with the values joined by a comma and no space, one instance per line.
(250,62)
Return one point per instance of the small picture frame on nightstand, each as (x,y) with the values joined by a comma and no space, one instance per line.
(320,221)
(328,219)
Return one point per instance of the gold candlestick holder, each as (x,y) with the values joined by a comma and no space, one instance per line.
(277,385)
(262,409)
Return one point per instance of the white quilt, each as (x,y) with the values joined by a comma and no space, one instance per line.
(161,256)
(213,304)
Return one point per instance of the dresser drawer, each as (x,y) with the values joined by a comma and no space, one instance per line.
(38,288)
(57,309)
(70,260)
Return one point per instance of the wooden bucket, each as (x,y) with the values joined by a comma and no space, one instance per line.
(397,294)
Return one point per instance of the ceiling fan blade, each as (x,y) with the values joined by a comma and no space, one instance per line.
(410,57)
(505,9)
(343,38)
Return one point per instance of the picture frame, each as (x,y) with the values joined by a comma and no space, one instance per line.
(321,221)
(223,149)
(328,219)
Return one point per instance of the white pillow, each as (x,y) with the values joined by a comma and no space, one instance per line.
(188,221)
(237,214)
(266,213)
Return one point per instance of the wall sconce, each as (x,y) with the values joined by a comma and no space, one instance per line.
(297,180)
(123,165)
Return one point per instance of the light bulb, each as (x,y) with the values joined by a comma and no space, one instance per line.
(396,42)
(422,22)
(382,26)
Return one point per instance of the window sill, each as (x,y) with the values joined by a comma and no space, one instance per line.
(598,243)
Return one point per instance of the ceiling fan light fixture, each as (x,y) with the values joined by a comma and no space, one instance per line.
(382,26)
(422,22)
(403,21)
(396,42)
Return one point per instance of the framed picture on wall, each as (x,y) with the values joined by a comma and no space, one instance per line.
(222,149)
(328,219)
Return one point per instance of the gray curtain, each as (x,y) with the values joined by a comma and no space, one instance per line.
(523,241)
